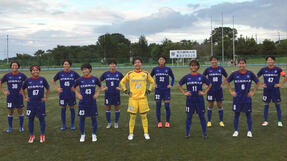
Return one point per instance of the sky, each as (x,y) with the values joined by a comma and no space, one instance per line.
(43,24)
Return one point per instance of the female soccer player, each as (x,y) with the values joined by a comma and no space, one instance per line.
(67,97)
(14,98)
(36,99)
(271,75)
(87,96)
(162,89)
(194,96)
(242,101)
(215,74)
(137,80)
(112,92)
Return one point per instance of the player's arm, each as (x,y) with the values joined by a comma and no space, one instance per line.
(283,74)
(78,94)
(46,95)
(151,82)
(259,74)
(224,73)
(5,91)
(123,83)
(59,90)
(97,93)
(207,84)
(186,93)
(233,93)
(251,93)
(172,79)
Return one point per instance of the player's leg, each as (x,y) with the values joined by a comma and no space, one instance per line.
(220,113)
(108,116)
(117,116)
(188,121)
(209,113)
(279,114)
(73,116)
(200,109)
(132,109)
(21,119)
(167,107)
(42,128)
(31,115)
(82,128)
(63,117)
(249,123)
(95,126)
(235,123)
(145,125)
(10,119)
(157,98)
(266,98)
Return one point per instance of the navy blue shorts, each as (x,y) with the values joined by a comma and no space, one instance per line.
(36,108)
(192,106)
(112,99)
(88,109)
(162,94)
(215,95)
(242,104)
(271,94)
(67,101)
(15,101)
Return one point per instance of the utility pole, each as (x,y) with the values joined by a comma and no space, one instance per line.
(7,49)
(233,40)
(211,39)
(222,39)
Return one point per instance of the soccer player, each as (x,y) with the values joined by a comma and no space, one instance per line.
(215,74)
(112,92)
(162,89)
(194,96)
(271,75)
(87,96)
(14,98)
(36,99)
(67,97)
(242,95)
(137,80)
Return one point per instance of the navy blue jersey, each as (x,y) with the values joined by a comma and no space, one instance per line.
(67,81)
(35,88)
(112,80)
(242,82)
(162,75)
(271,75)
(193,84)
(87,87)
(214,75)
(14,82)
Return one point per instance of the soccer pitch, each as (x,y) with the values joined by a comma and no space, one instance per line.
(268,143)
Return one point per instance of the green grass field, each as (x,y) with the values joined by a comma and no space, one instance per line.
(267,144)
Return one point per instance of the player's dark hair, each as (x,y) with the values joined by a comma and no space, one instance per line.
(213,57)
(112,62)
(67,60)
(135,59)
(241,59)
(16,63)
(194,62)
(35,66)
(270,56)
(88,66)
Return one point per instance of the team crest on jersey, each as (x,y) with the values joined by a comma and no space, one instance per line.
(166,71)
(248,76)
(275,71)
(131,108)
(117,75)
(93,81)
(41,82)
(143,75)
(10,77)
(19,77)
(71,75)
(30,82)
(219,70)
(188,78)
(199,78)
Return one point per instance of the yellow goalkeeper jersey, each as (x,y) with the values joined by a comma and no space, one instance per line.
(137,83)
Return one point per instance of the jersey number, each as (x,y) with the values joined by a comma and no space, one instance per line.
(270,80)
(112,84)
(67,84)
(14,86)
(88,91)
(35,92)
(243,86)
(82,112)
(215,79)
(194,88)
(161,79)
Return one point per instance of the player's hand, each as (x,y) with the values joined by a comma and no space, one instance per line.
(44,99)
(127,92)
(169,86)
(155,86)
(264,86)
(6,92)
(26,99)
(148,92)
(80,97)
(96,95)
(187,93)
(201,93)
(251,93)
(104,88)
(118,88)
(278,85)
(59,90)
(234,94)
(222,85)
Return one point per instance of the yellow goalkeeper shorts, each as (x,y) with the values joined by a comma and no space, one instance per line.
(136,105)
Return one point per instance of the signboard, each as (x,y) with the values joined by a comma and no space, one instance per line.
(183,54)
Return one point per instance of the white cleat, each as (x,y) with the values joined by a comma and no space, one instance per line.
(249,134)
(116,125)
(235,134)
(131,137)
(146,136)
(280,124)
(94,138)
(82,139)
(265,123)
(109,125)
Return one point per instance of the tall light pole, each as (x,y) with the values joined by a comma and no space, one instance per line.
(7,49)
(222,39)
(233,39)
(211,39)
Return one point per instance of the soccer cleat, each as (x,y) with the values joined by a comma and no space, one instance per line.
(131,137)
(209,124)
(63,127)
(204,136)
(42,138)
(109,125)
(221,124)
(9,130)
(249,134)
(116,125)
(167,124)
(21,129)
(31,139)
(280,124)
(82,139)
(72,127)
(235,134)
(94,137)
(159,124)
(187,136)
(146,136)
(265,123)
